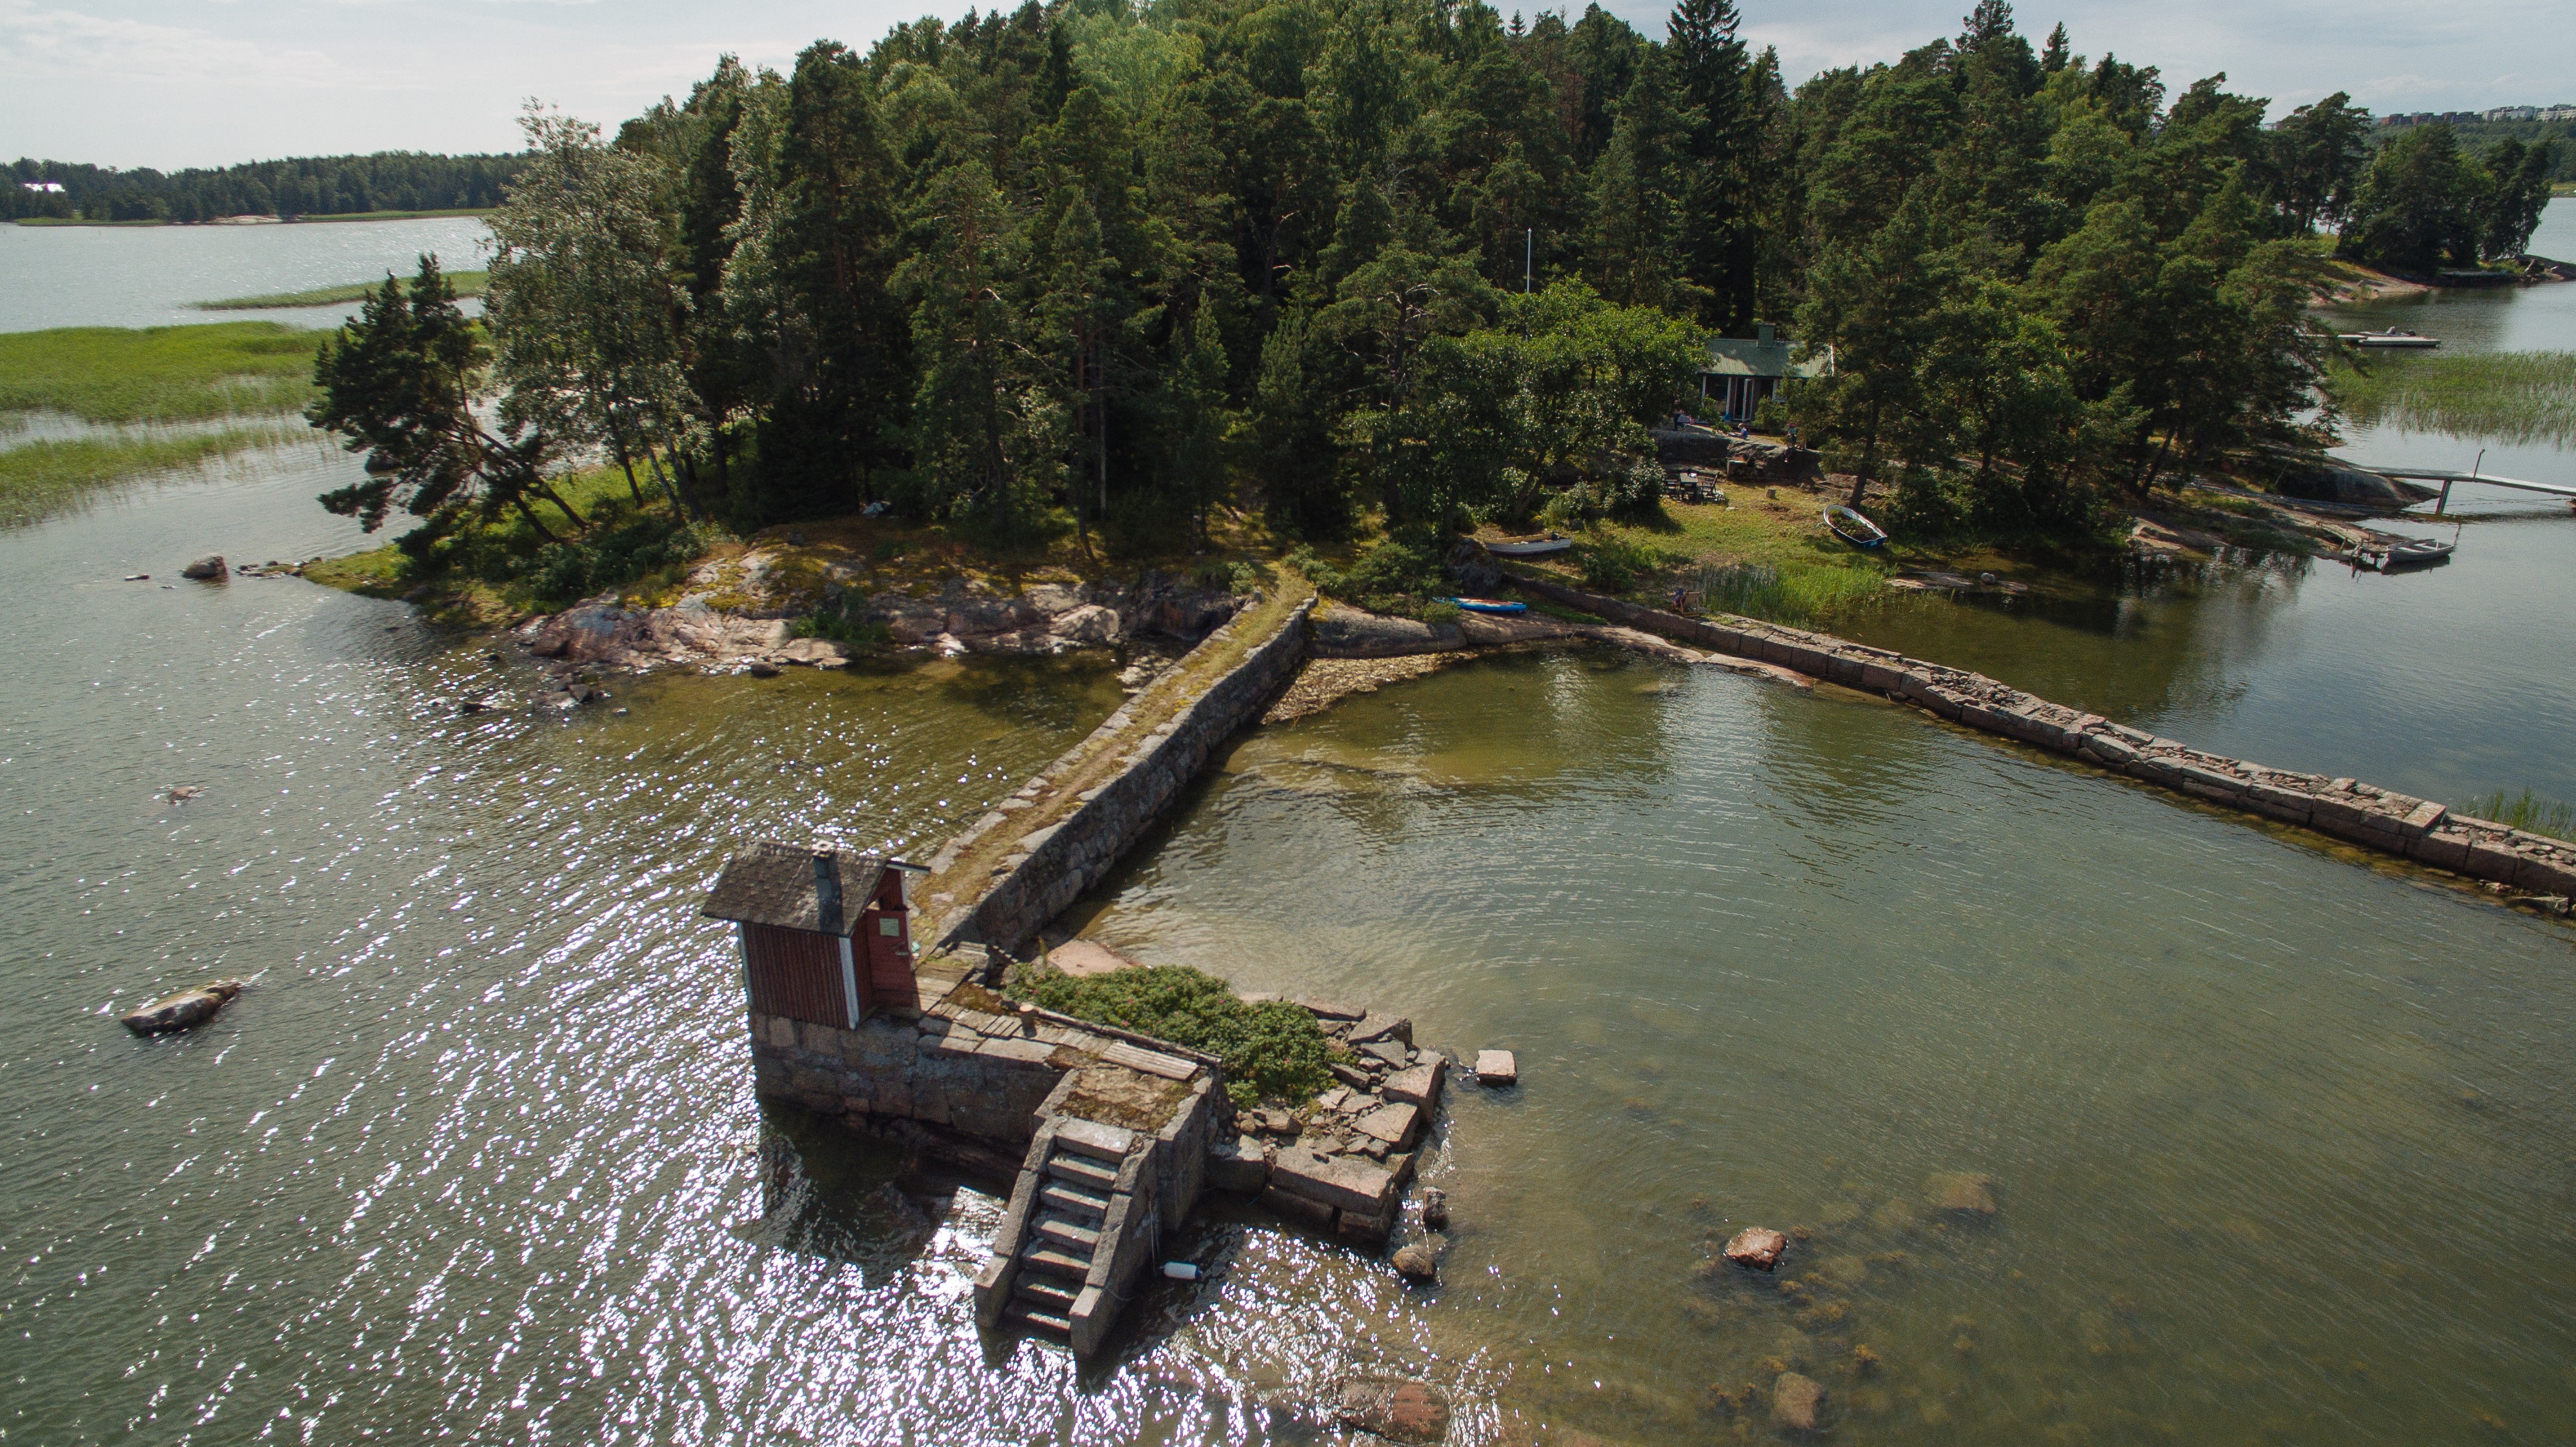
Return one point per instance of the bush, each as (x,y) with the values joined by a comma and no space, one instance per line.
(613,556)
(1613,564)
(1397,576)
(1272,1050)
(1440,613)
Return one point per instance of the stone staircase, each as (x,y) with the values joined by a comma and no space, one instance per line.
(1071,1240)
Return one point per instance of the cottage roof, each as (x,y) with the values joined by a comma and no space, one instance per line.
(1764,356)
(780,884)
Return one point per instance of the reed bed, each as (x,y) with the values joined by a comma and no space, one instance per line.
(114,375)
(466,283)
(2521,397)
(39,479)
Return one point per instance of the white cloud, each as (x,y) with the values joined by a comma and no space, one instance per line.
(65,44)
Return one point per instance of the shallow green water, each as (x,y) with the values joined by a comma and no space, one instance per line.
(2280,1142)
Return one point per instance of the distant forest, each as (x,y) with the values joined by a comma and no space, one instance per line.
(2480,135)
(298,186)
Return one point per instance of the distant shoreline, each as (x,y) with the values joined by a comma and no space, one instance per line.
(475,211)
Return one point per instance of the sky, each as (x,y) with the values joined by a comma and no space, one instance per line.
(172,83)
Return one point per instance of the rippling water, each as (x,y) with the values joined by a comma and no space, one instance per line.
(151,276)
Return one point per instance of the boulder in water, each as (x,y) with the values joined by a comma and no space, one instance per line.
(208,569)
(183,1011)
(1757,1248)
(1415,1261)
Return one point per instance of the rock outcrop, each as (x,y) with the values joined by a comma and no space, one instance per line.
(734,617)
(208,569)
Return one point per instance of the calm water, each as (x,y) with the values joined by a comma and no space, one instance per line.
(2280,1141)
(148,276)
(2449,682)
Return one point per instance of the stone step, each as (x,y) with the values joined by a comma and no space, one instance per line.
(1091,1138)
(1075,1201)
(1044,1293)
(1054,1260)
(1069,1232)
(1083,1171)
(1036,1320)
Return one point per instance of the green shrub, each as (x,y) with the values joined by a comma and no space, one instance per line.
(1440,612)
(1272,1050)
(1613,564)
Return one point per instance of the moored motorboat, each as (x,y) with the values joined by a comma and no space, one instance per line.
(1487,605)
(2413,553)
(1531,547)
(1851,527)
(2391,338)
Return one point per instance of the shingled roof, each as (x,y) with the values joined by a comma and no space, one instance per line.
(775,884)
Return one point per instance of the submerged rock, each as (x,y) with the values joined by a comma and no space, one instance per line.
(1757,1248)
(1797,1402)
(1962,1193)
(1404,1411)
(183,1011)
(1435,1207)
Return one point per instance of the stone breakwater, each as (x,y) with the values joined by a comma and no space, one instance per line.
(1120,782)
(2345,809)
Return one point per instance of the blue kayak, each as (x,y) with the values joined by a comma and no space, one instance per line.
(1487,605)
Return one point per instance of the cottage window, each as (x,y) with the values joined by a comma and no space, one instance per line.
(889,926)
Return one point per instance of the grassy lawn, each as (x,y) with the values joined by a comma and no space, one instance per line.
(1763,557)
(467,283)
(158,374)
(40,478)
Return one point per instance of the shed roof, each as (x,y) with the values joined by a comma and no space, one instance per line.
(1765,356)
(775,884)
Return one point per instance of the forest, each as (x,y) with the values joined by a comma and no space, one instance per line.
(1110,269)
(304,186)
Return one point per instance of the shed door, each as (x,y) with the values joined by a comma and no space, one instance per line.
(796,973)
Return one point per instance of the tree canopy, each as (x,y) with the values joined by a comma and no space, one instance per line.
(1112,266)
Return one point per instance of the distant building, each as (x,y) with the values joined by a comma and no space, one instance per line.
(2513,113)
(1737,374)
(2558,113)
(44,188)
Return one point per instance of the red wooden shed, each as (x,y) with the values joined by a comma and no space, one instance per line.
(826,933)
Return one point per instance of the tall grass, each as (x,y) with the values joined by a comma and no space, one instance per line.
(158,374)
(38,479)
(2507,396)
(466,283)
(2529,813)
(1791,594)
